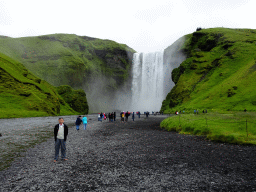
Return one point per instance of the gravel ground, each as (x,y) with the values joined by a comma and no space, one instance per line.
(133,156)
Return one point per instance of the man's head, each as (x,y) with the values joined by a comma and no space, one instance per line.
(61,120)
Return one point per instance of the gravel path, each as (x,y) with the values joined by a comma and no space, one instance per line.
(133,156)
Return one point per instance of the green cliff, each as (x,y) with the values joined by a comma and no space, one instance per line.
(219,72)
(22,94)
(99,67)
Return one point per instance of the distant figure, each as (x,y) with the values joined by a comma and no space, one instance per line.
(114,116)
(126,116)
(139,114)
(245,110)
(101,115)
(84,122)
(109,116)
(122,119)
(147,113)
(133,116)
(197,111)
(203,111)
(78,122)
(60,136)
(0,135)
(194,111)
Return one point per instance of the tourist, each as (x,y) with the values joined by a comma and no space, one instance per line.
(147,113)
(84,122)
(114,116)
(194,111)
(126,116)
(139,114)
(101,115)
(78,122)
(109,117)
(122,119)
(133,116)
(60,136)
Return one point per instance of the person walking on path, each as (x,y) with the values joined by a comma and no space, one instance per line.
(133,116)
(60,136)
(109,117)
(101,115)
(122,117)
(84,122)
(139,114)
(78,122)
(114,116)
(126,116)
(147,113)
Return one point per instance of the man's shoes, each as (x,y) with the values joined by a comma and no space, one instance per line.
(65,159)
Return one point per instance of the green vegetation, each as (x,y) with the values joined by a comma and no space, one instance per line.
(77,61)
(230,128)
(218,74)
(75,98)
(24,95)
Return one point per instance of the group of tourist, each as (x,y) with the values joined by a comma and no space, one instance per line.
(80,120)
(110,116)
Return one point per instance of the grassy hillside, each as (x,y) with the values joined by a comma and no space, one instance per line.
(99,67)
(219,73)
(24,95)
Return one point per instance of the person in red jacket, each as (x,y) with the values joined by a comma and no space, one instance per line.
(60,136)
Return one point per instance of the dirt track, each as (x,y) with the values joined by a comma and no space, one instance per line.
(133,156)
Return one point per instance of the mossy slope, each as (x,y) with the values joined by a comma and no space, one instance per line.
(218,74)
(94,65)
(24,95)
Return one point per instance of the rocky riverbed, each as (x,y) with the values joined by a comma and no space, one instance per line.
(132,156)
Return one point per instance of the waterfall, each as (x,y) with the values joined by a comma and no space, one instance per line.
(148,81)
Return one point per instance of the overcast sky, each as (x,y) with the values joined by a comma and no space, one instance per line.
(144,25)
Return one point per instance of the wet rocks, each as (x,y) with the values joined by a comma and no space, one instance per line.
(111,157)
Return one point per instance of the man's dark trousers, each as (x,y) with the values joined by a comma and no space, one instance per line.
(60,143)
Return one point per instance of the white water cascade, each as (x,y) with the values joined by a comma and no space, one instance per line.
(148,81)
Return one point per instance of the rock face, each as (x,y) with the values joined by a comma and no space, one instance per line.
(219,62)
(99,67)
(24,95)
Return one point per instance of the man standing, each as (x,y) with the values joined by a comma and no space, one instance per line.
(60,136)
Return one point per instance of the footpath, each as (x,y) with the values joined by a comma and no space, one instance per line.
(133,156)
